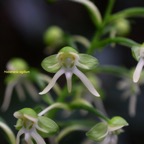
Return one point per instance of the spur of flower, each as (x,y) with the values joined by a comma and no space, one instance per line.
(139,55)
(33,127)
(67,62)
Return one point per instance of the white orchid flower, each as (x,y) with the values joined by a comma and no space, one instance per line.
(106,132)
(33,127)
(66,62)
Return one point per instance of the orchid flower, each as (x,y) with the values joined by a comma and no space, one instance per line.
(106,132)
(139,55)
(17,81)
(33,127)
(66,62)
(131,91)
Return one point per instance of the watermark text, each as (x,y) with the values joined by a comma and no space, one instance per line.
(16,72)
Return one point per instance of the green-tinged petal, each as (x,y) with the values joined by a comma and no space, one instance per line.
(136,52)
(98,132)
(26,113)
(116,123)
(93,10)
(8,132)
(19,124)
(49,126)
(87,61)
(50,64)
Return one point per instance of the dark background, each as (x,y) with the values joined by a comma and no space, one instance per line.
(22,24)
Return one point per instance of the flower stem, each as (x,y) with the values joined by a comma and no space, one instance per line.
(108,10)
(130,12)
(53,106)
(100,29)
(82,104)
(115,70)
(119,40)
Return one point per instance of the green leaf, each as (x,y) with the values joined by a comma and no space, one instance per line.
(93,10)
(47,126)
(116,123)
(87,62)
(50,64)
(9,133)
(98,132)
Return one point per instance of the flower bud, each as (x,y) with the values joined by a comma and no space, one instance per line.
(17,64)
(122,27)
(53,36)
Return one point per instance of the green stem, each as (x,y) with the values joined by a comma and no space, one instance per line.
(130,12)
(108,10)
(69,129)
(100,29)
(82,104)
(8,131)
(115,70)
(54,106)
(119,40)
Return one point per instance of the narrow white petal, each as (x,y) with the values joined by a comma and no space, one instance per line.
(21,131)
(38,139)
(85,81)
(68,75)
(7,96)
(138,70)
(53,81)
(132,105)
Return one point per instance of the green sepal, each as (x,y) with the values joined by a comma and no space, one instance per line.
(87,62)
(68,49)
(136,52)
(98,132)
(116,123)
(26,113)
(46,126)
(17,64)
(50,64)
